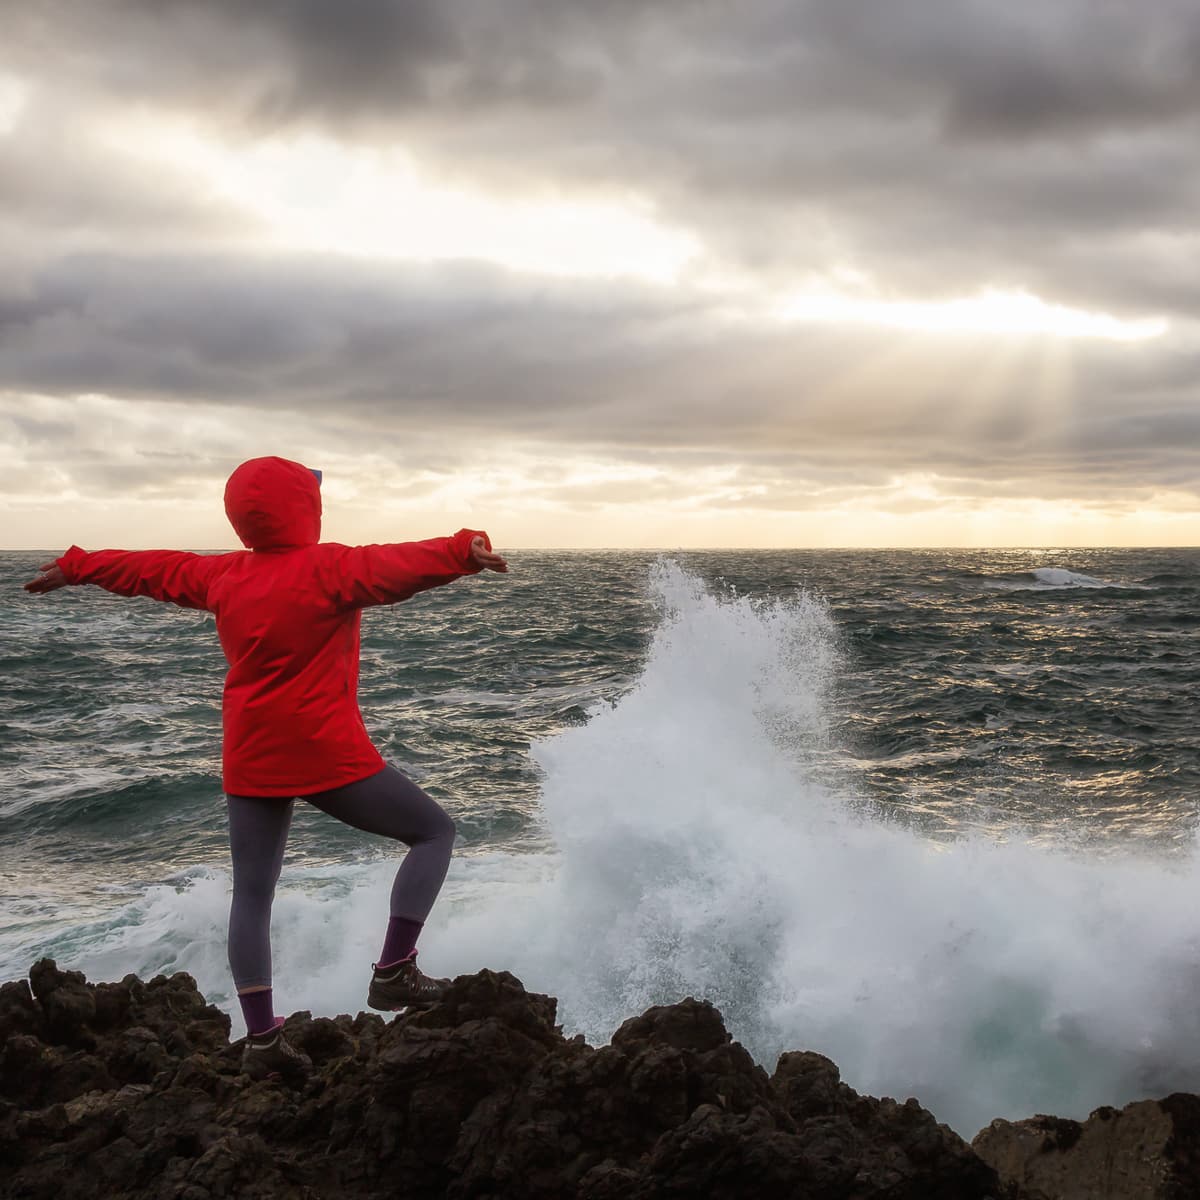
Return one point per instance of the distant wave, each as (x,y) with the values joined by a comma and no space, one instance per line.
(1052,579)
(1167,579)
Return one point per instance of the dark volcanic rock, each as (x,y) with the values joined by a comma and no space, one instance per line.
(132,1090)
(1149,1150)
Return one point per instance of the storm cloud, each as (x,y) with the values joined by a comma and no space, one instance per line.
(489,353)
(946,143)
(924,152)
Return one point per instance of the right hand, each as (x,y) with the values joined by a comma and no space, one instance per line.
(485,559)
(48,578)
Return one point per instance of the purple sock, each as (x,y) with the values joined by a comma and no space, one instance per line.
(401,940)
(258,1010)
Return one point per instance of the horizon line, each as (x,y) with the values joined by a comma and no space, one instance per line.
(680,549)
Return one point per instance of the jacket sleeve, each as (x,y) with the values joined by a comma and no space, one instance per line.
(366,575)
(176,576)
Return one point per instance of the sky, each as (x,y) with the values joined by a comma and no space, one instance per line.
(661,274)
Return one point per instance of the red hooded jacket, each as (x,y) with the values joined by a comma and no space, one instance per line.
(287,611)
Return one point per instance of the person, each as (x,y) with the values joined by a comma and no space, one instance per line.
(287,613)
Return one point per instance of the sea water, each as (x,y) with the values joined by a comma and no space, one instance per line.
(930,813)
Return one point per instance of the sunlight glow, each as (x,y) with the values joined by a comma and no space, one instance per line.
(989,312)
(14,94)
(311,193)
(315,194)
(148,473)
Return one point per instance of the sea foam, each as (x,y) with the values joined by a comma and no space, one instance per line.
(1043,579)
(698,856)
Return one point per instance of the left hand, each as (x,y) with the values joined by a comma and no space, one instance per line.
(48,578)
(485,559)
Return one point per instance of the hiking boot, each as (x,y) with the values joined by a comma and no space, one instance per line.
(270,1053)
(402,985)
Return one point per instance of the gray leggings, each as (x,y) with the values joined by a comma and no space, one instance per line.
(387,803)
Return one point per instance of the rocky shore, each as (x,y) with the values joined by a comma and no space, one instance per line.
(133,1089)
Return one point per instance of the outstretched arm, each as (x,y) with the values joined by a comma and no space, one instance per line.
(176,576)
(366,575)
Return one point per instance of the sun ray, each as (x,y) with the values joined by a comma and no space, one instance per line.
(990,311)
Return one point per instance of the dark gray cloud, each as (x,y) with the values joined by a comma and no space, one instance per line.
(1019,71)
(1022,71)
(467,352)
(943,145)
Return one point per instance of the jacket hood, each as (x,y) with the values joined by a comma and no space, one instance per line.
(273,503)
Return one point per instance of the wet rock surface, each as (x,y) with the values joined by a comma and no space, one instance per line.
(133,1089)
(1149,1150)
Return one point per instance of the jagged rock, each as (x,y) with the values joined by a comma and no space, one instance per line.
(1149,1150)
(19,1012)
(689,1025)
(132,1089)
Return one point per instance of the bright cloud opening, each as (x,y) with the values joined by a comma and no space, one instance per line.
(989,312)
(14,95)
(312,193)
(315,194)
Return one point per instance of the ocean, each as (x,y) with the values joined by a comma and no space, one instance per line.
(931,813)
